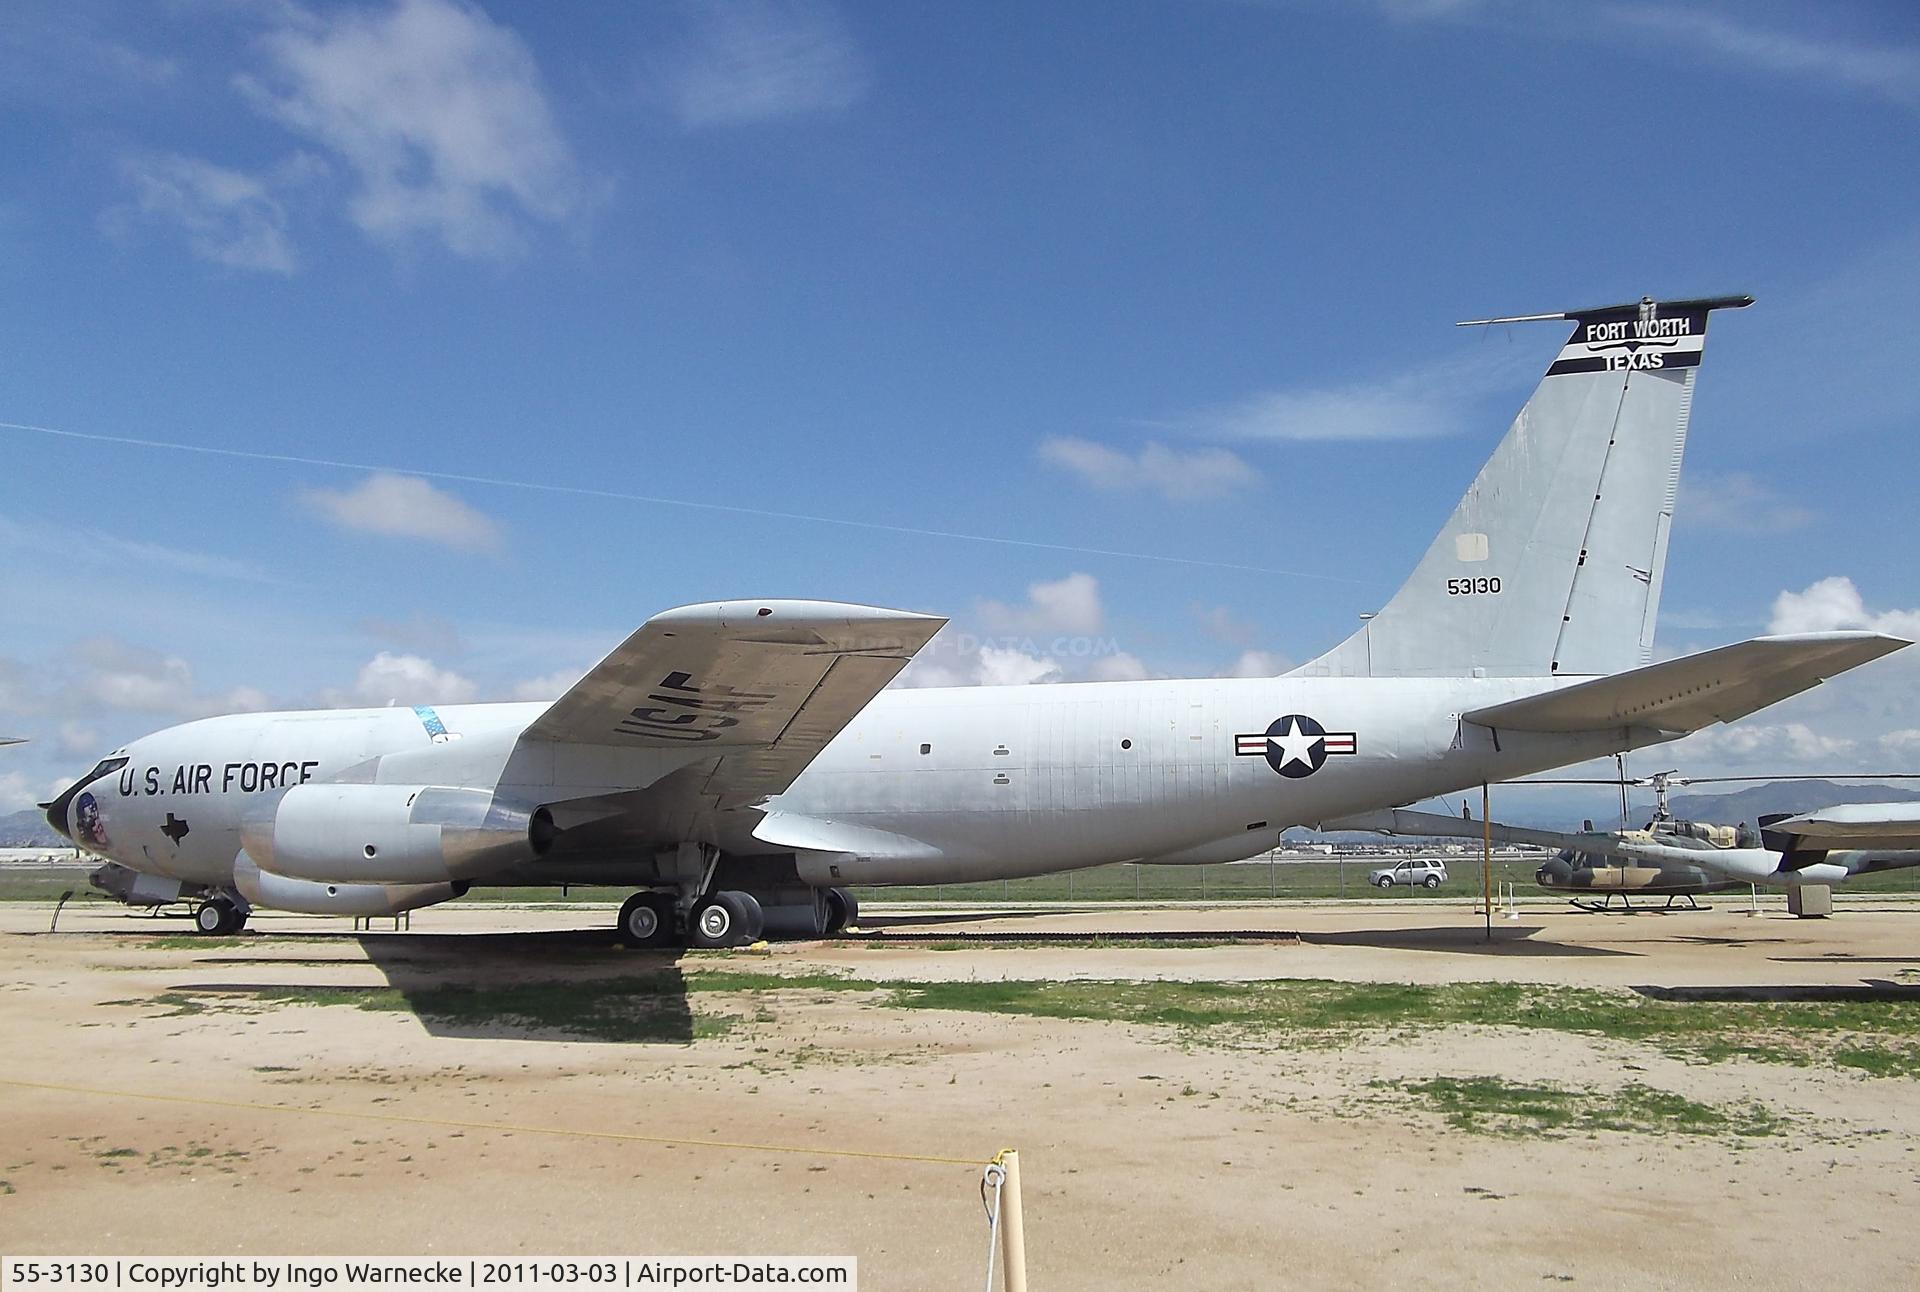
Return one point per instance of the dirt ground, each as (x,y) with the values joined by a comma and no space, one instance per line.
(137,1117)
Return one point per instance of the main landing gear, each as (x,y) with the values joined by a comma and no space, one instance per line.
(219,916)
(843,909)
(722,919)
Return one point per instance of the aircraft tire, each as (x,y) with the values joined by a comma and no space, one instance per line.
(842,909)
(646,920)
(756,925)
(216,917)
(727,919)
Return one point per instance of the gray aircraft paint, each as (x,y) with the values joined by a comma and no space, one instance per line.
(759,728)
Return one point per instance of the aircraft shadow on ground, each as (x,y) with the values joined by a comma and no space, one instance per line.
(561,985)
(1510,940)
(1873,989)
(960,915)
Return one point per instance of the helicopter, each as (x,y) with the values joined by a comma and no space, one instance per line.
(1682,860)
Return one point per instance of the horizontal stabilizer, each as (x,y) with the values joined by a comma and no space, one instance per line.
(1438,825)
(1854,825)
(1686,694)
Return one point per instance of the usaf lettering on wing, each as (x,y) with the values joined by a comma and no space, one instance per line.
(682,709)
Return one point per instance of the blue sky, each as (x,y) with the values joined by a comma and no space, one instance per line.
(1158,297)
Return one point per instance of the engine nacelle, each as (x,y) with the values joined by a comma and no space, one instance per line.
(392,834)
(306,897)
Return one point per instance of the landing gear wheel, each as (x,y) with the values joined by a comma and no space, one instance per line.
(646,920)
(1431,881)
(217,916)
(727,919)
(842,910)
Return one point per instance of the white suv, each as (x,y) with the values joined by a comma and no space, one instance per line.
(1427,874)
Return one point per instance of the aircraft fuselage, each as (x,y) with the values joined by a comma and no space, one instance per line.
(923,786)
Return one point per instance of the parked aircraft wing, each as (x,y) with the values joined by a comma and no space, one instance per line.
(762,685)
(1405,821)
(1685,694)
(1854,825)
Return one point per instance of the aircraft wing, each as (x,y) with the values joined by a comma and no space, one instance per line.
(1694,691)
(753,689)
(1854,826)
(1406,821)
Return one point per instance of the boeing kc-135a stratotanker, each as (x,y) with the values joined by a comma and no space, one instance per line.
(741,765)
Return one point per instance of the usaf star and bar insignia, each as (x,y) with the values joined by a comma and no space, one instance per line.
(1295,745)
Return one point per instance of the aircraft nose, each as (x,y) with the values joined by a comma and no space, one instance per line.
(57,816)
(58,810)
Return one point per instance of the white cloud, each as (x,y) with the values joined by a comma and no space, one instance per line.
(406,507)
(926,670)
(1903,743)
(1220,623)
(389,678)
(438,112)
(1834,603)
(760,60)
(18,791)
(1117,667)
(1737,503)
(1429,400)
(1886,69)
(1781,747)
(551,687)
(76,740)
(1181,475)
(228,217)
(1258,663)
(1069,605)
(121,677)
(997,666)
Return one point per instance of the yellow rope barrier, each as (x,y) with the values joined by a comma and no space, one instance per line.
(403,1119)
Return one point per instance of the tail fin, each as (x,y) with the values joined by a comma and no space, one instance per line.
(1551,565)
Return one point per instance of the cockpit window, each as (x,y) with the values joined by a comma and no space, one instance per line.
(106,766)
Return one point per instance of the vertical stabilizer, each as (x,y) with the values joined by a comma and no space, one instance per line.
(1551,565)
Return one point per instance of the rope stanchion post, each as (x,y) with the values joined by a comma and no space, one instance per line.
(993,1181)
(1013,1231)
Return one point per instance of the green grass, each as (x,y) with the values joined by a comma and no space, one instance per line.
(1877,1037)
(1491,1106)
(44,883)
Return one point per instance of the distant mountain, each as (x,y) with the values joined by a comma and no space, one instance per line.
(1782,796)
(28,828)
